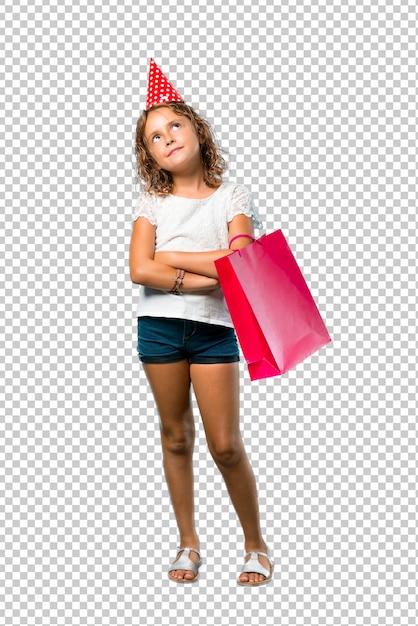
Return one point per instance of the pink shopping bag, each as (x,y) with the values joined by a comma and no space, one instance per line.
(274,314)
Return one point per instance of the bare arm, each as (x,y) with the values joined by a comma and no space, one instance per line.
(146,270)
(199,262)
(203,262)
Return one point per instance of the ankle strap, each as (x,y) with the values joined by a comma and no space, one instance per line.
(190,550)
(257,554)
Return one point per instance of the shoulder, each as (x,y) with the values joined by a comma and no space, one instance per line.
(241,202)
(146,206)
(238,195)
(234,189)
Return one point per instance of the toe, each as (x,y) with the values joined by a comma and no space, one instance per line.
(251,577)
(181,574)
(257,578)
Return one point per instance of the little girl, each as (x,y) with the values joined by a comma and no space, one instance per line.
(184,220)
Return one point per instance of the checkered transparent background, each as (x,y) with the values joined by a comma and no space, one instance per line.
(316,102)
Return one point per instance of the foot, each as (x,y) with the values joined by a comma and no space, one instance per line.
(184,557)
(260,557)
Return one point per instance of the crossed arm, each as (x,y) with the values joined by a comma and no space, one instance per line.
(157,270)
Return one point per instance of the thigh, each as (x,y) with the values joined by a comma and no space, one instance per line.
(170,385)
(216,387)
(161,340)
(212,344)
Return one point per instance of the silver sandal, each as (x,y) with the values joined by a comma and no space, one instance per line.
(253,566)
(184,562)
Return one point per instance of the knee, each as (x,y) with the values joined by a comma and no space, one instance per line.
(178,442)
(226,452)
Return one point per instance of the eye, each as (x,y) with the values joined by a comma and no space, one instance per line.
(156,138)
(176,126)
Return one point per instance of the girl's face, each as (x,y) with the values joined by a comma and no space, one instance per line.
(172,140)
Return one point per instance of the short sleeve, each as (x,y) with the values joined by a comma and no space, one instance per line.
(145,207)
(242,203)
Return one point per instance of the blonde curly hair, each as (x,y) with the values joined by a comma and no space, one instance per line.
(160,181)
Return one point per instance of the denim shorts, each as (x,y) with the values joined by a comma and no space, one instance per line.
(167,340)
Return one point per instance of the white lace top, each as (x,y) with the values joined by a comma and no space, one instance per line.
(192,225)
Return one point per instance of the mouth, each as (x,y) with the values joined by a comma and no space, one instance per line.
(173,151)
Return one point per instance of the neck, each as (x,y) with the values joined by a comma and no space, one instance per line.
(189,185)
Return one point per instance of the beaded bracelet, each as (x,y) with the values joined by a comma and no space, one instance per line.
(178,280)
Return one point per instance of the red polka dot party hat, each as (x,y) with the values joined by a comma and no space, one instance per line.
(160,89)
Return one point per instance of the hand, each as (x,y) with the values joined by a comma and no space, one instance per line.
(211,284)
(197,283)
(202,263)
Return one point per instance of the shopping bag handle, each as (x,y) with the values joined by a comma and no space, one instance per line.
(242,235)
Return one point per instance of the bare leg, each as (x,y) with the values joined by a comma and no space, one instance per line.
(217,392)
(170,384)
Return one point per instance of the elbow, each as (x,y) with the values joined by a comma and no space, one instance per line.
(138,270)
(137,277)
(142,272)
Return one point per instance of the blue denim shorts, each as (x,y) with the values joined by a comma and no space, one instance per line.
(167,340)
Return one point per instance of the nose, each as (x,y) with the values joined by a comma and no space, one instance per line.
(169,140)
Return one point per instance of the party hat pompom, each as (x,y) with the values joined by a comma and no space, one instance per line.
(160,89)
